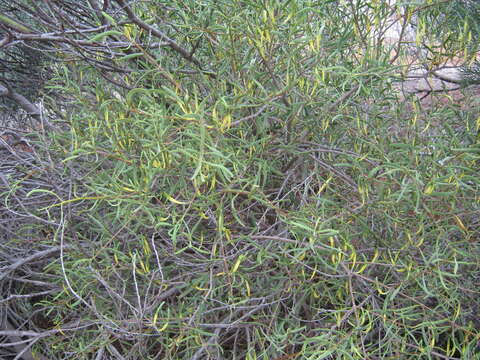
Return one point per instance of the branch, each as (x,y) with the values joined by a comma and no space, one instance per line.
(23,261)
(98,12)
(6,40)
(13,24)
(21,100)
(48,37)
(173,45)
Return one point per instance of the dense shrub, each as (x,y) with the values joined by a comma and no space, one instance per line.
(269,196)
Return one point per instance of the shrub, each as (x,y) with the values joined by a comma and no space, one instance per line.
(272,199)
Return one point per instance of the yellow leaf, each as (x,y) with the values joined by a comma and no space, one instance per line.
(155,317)
(226,121)
(429,189)
(128,189)
(163,327)
(200,288)
(247,286)
(174,200)
(237,264)
(460,223)
(313,273)
(362,269)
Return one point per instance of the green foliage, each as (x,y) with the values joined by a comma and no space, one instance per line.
(278,203)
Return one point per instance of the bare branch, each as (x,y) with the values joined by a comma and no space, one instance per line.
(21,100)
(23,261)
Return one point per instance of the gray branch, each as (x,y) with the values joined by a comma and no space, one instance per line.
(22,101)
